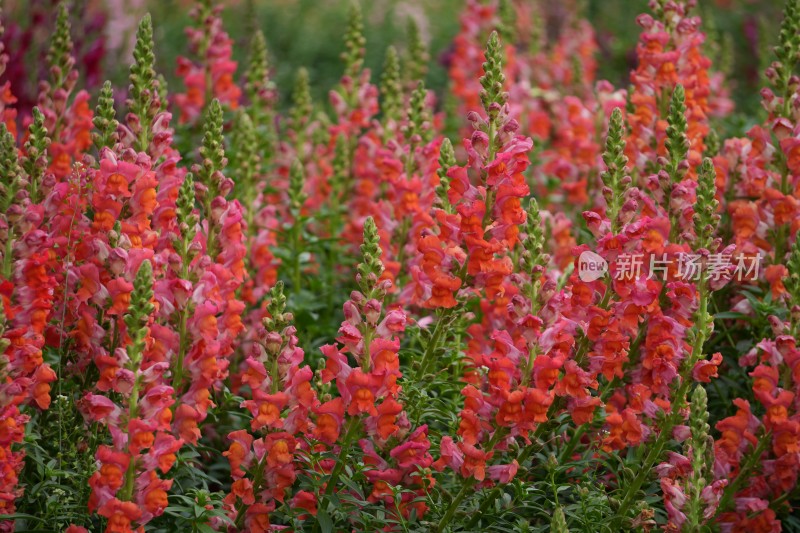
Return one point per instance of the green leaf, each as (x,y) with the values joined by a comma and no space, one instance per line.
(325,522)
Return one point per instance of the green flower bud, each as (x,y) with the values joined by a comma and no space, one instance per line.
(245,157)
(677,143)
(533,243)
(12,180)
(418,115)
(59,56)
(705,215)
(493,80)
(447,159)
(297,196)
(391,90)
(139,311)
(213,149)
(257,76)
(143,87)
(35,161)
(302,105)
(276,307)
(260,90)
(354,42)
(792,283)
(187,219)
(559,522)
(615,160)
(105,118)
(415,62)
(371,268)
(786,53)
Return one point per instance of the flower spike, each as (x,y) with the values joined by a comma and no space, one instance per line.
(614,175)
(391,91)
(143,88)
(35,162)
(354,42)
(706,217)
(60,55)
(493,96)
(105,118)
(371,268)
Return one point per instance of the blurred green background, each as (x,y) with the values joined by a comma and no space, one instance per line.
(309,33)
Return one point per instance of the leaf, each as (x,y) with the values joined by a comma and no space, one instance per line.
(732,314)
(325,522)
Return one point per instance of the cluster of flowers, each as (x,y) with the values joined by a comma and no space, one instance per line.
(150,283)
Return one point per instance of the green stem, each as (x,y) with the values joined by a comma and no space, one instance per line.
(258,478)
(130,473)
(211,235)
(675,416)
(183,332)
(401,248)
(468,483)
(177,381)
(580,354)
(451,511)
(297,229)
(8,255)
(340,460)
(497,490)
(433,344)
(744,472)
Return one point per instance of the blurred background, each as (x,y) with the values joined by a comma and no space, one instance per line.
(309,33)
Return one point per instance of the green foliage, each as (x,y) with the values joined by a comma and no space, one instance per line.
(546,495)
(60,459)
